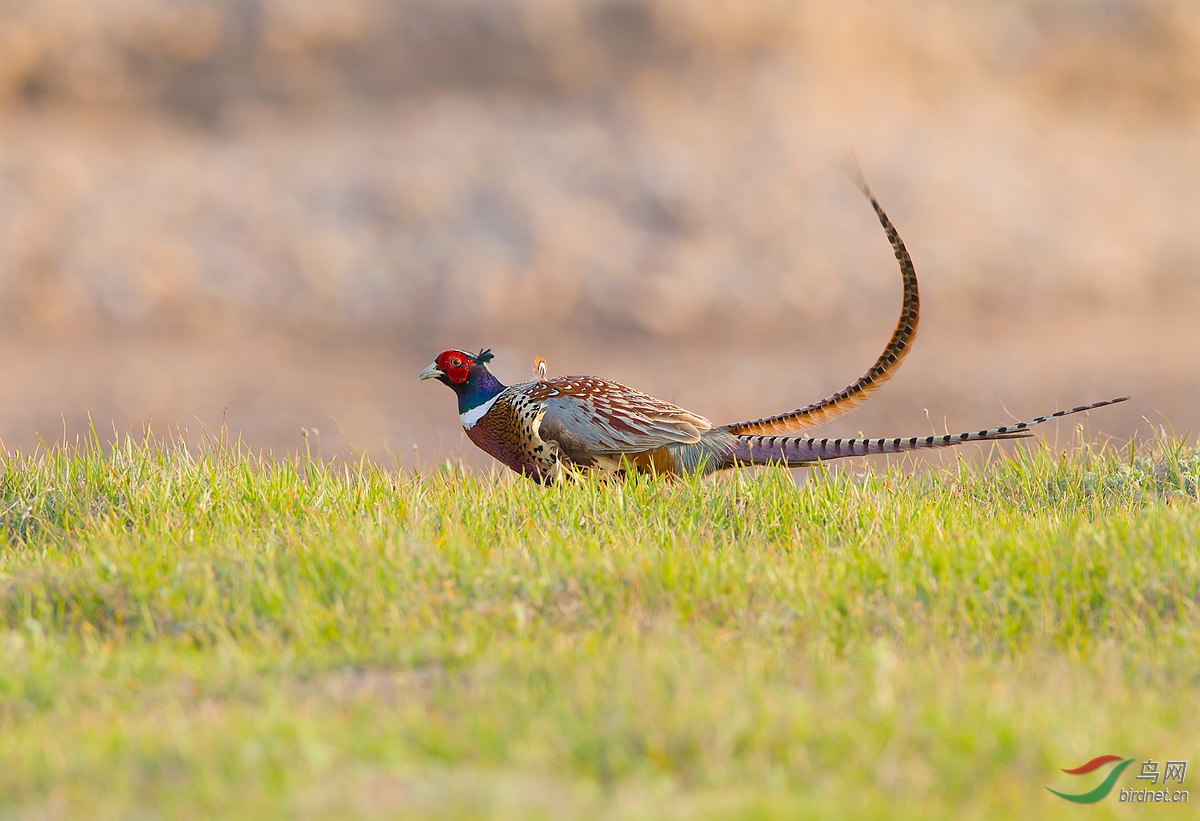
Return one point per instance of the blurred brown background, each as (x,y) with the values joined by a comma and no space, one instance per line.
(275,212)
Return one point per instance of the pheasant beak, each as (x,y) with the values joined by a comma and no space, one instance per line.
(431,372)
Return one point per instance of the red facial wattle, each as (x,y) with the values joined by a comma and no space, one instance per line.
(456,365)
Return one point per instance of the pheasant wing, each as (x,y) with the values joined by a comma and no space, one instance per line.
(591,417)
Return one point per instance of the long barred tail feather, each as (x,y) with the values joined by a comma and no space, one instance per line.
(796,451)
(885,366)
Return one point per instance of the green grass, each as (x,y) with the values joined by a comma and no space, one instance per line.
(195,633)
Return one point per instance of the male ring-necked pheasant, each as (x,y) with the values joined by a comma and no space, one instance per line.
(541,427)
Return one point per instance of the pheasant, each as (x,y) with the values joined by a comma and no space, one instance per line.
(548,427)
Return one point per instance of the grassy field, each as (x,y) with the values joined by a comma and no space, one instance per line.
(195,632)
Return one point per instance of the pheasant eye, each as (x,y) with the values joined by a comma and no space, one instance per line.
(455,362)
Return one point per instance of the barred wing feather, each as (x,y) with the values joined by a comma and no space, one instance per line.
(608,418)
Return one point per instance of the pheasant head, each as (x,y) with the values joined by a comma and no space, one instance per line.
(467,375)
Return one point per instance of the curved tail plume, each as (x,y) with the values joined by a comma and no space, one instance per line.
(885,366)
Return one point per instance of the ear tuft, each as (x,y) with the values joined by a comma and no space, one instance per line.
(485,356)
